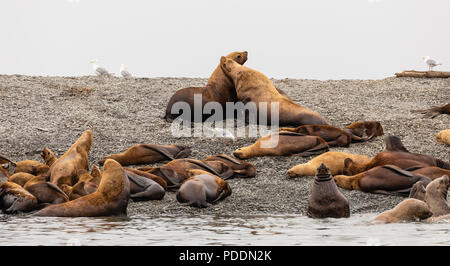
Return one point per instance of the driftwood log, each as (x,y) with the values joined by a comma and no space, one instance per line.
(423,74)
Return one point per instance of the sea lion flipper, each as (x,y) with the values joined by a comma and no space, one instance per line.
(204,165)
(160,150)
(55,187)
(228,158)
(413,168)
(398,170)
(138,181)
(290,133)
(393,143)
(401,192)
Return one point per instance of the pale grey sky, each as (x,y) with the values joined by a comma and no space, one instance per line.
(317,39)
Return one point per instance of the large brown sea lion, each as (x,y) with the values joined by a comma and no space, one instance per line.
(144,188)
(45,192)
(386,179)
(332,159)
(14,198)
(253,86)
(395,154)
(418,191)
(65,169)
(444,136)
(148,154)
(110,199)
(436,196)
(219,89)
(283,143)
(332,135)
(325,199)
(434,111)
(240,168)
(364,130)
(202,188)
(409,210)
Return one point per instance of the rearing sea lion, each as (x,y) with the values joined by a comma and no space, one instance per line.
(436,196)
(253,86)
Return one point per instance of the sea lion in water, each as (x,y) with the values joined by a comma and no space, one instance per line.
(202,188)
(409,210)
(44,191)
(253,86)
(418,191)
(332,159)
(148,153)
(289,143)
(144,188)
(434,111)
(444,136)
(386,179)
(358,129)
(436,196)
(218,89)
(325,199)
(395,154)
(111,197)
(240,168)
(65,169)
(14,198)
(332,135)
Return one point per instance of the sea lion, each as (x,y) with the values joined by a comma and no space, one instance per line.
(289,143)
(44,191)
(358,129)
(14,198)
(409,210)
(110,199)
(144,188)
(64,170)
(220,89)
(434,111)
(87,183)
(48,156)
(253,86)
(386,179)
(418,191)
(31,167)
(332,135)
(20,178)
(332,159)
(176,171)
(202,188)
(444,136)
(148,153)
(325,199)
(436,196)
(396,154)
(240,168)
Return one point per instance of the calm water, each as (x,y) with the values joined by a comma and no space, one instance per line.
(218,230)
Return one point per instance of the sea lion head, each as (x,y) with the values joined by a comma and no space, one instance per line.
(238,57)
(48,156)
(418,191)
(438,187)
(349,166)
(9,168)
(230,67)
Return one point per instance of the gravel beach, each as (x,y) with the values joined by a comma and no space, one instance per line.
(52,112)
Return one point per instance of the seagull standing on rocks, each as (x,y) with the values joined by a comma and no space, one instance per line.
(100,71)
(124,72)
(430,62)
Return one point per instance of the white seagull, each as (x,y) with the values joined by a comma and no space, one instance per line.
(100,71)
(124,71)
(430,62)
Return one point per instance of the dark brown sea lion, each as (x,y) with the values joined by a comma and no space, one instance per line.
(149,153)
(418,191)
(65,169)
(325,199)
(14,198)
(20,178)
(436,196)
(143,188)
(240,168)
(434,111)
(110,199)
(395,154)
(386,179)
(364,130)
(153,177)
(283,143)
(218,89)
(202,188)
(409,210)
(176,171)
(44,191)
(332,135)
(253,86)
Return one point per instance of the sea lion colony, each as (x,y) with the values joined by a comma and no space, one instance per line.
(65,187)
